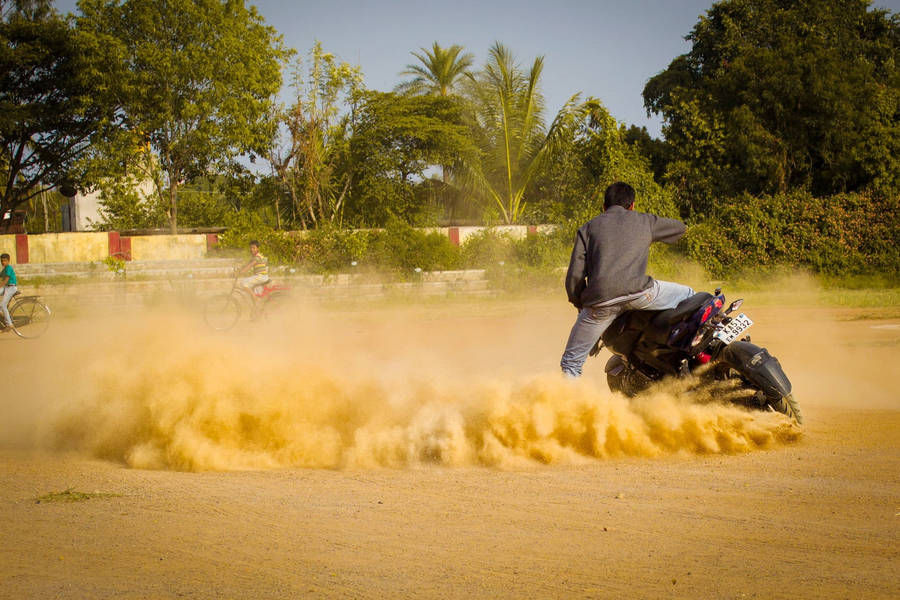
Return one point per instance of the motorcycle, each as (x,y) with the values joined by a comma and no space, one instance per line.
(696,338)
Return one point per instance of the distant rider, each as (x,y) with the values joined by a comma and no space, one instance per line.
(258,266)
(8,283)
(607,272)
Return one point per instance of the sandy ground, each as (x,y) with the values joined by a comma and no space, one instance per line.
(432,451)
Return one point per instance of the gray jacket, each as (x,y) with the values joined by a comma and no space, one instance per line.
(609,259)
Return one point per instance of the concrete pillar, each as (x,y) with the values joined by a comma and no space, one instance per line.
(21,248)
(115,245)
(125,247)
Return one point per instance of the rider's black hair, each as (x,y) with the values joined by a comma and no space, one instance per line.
(618,194)
(4,255)
(253,243)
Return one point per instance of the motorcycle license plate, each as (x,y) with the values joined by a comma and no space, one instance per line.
(734,328)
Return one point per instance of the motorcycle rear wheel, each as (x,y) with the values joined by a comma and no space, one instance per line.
(628,381)
(615,383)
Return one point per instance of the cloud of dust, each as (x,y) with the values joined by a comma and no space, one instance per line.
(832,344)
(351,390)
(359,386)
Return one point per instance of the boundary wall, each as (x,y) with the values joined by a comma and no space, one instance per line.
(78,246)
(97,246)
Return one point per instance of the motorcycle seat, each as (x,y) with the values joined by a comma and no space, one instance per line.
(666,318)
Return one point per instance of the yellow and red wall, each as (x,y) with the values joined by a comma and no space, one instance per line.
(96,246)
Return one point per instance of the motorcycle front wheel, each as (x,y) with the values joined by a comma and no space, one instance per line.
(786,405)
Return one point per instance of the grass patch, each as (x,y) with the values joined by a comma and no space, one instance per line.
(70,495)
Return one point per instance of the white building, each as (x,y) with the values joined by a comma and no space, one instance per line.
(81,212)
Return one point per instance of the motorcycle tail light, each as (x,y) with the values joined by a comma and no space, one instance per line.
(703,358)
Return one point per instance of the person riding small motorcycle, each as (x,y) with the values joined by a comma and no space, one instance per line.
(656,328)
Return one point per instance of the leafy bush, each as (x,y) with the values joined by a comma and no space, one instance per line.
(846,234)
(490,247)
(541,250)
(486,248)
(399,248)
(201,208)
(124,205)
(329,249)
(245,226)
(524,264)
(404,248)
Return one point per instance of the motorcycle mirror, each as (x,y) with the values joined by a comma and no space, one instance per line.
(734,306)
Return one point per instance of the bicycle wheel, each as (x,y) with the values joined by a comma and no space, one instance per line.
(30,318)
(222,312)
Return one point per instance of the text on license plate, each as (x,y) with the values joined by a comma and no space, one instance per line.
(734,328)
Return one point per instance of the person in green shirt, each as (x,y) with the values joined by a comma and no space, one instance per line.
(8,289)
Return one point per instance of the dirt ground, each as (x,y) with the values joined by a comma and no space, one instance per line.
(432,451)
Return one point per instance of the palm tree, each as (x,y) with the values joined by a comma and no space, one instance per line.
(441,68)
(438,74)
(510,129)
(34,10)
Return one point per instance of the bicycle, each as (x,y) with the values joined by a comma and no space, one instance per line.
(222,311)
(30,317)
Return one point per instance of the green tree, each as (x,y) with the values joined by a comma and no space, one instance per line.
(33,10)
(48,113)
(128,202)
(509,128)
(656,150)
(777,95)
(439,72)
(313,140)
(396,138)
(195,79)
(599,151)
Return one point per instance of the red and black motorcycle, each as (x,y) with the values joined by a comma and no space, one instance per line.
(696,338)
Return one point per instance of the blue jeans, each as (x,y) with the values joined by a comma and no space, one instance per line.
(6,294)
(592,321)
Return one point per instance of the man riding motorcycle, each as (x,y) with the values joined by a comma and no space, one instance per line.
(607,272)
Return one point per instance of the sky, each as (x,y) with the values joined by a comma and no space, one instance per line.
(602,48)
